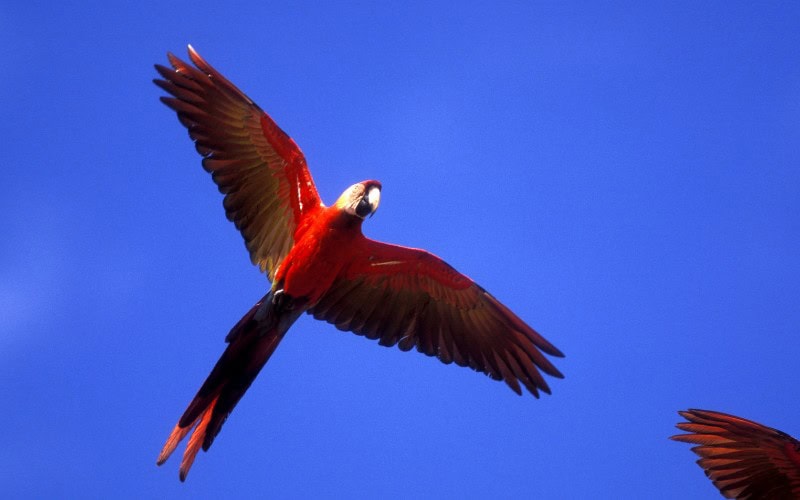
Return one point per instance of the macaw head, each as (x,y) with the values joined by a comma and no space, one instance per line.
(360,199)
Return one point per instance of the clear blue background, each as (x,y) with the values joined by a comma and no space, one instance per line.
(626,177)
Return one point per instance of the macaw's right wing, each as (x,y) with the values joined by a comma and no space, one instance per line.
(260,170)
(411,298)
(743,459)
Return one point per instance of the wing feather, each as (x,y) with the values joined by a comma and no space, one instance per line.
(743,459)
(411,298)
(260,170)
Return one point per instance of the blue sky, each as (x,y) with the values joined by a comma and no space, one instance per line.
(624,177)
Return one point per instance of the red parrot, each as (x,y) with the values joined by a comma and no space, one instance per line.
(319,262)
(744,459)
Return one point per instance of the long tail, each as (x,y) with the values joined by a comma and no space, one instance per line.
(250,344)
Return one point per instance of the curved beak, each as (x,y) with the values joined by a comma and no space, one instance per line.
(373,197)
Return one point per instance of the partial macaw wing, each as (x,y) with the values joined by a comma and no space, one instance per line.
(743,458)
(260,170)
(411,298)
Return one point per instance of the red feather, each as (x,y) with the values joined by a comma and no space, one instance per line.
(743,459)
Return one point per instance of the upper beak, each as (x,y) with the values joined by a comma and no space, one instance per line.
(374,199)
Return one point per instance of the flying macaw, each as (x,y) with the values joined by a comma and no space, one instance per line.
(743,459)
(319,262)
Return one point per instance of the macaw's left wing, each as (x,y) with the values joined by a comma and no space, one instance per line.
(260,170)
(744,459)
(412,298)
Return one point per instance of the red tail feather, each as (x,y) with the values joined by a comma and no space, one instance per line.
(250,344)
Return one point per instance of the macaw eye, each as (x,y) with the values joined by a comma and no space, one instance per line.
(363,208)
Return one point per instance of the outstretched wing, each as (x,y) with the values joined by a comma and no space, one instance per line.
(260,170)
(743,458)
(412,298)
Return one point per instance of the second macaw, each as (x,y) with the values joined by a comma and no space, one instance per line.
(319,262)
(744,459)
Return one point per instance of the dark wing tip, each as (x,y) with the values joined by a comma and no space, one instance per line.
(164,71)
(194,55)
(174,60)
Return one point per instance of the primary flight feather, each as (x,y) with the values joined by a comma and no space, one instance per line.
(744,459)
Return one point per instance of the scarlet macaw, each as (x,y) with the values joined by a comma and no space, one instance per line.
(743,459)
(319,262)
